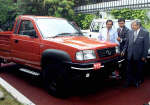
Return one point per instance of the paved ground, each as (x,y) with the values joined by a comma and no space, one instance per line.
(107,93)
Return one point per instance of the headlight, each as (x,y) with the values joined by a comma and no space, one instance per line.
(85,55)
(79,55)
(117,50)
(149,51)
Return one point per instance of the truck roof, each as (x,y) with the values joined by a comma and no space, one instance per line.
(36,17)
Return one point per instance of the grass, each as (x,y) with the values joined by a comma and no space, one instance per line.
(9,99)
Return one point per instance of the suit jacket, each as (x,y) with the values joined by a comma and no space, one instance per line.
(124,36)
(138,48)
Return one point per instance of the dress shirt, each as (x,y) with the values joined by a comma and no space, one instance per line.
(113,35)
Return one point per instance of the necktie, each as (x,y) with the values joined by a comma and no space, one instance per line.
(119,31)
(108,36)
(135,35)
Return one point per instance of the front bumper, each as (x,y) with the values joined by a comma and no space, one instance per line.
(148,57)
(84,71)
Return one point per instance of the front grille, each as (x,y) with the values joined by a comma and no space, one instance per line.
(107,52)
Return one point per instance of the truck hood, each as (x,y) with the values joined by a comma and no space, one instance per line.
(81,42)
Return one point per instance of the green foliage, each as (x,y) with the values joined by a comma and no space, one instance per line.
(84,20)
(132,14)
(7,8)
(30,7)
(80,2)
(60,8)
(147,26)
(56,8)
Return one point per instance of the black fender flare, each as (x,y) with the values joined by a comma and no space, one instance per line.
(55,55)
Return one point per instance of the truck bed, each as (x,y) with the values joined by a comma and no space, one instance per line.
(5,44)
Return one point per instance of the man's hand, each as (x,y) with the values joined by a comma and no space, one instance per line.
(143,59)
(122,54)
(119,39)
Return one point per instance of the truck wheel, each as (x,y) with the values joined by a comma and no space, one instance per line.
(1,60)
(55,80)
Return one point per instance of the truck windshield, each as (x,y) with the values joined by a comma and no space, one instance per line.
(56,27)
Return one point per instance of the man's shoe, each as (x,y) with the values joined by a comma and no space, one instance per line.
(137,85)
(141,81)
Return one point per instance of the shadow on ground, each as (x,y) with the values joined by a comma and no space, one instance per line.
(79,88)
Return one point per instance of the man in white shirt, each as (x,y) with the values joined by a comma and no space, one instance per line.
(108,33)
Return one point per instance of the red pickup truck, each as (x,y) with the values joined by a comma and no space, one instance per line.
(56,49)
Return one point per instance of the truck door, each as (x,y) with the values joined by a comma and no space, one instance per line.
(25,43)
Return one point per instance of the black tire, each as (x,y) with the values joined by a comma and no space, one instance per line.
(56,80)
(1,60)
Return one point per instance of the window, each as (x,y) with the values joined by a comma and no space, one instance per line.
(27,28)
(95,26)
(56,27)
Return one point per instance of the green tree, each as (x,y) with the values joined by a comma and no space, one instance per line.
(57,8)
(7,10)
(84,20)
(60,8)
(30,7)
(132,14)
(80,2)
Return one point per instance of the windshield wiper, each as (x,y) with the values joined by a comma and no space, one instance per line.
(70,34)
(64,33)
(79,33)
(54,36)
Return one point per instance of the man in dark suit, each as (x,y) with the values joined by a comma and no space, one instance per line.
(137,48)
(122,33)
(122,38)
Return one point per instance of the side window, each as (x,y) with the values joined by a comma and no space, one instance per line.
(103,25)
(95,27)
(27,28)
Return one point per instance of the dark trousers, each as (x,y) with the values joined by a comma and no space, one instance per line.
(135,71)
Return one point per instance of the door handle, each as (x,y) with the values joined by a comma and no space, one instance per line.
(16,41)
